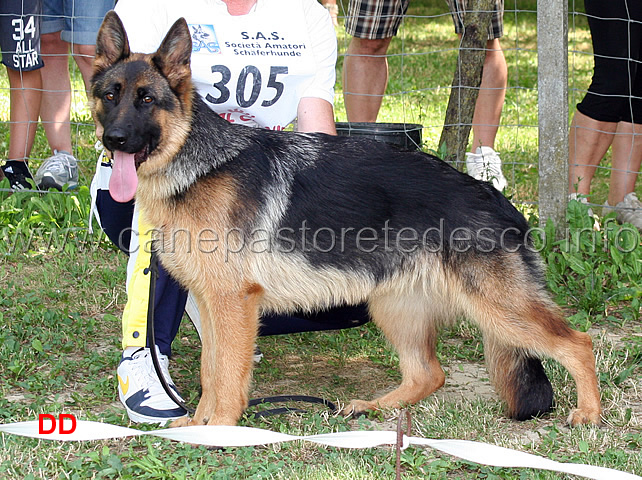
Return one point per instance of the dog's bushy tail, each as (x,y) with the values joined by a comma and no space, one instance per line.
(519,379)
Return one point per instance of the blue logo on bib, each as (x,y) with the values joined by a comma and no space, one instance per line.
(204,38)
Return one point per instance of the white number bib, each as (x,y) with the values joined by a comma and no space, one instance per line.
(249,75)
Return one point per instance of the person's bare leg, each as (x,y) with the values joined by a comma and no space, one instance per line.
(365,77)
(84,57)
(626,160)
(492,92)
(25,96)
(588,142)
(56,98)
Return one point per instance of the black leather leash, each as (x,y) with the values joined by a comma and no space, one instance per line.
(287,398)
(151,337)
(152,270)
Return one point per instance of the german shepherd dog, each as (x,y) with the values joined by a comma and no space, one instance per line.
(304,222)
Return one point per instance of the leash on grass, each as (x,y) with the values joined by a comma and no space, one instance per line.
(152,270)
(287,398)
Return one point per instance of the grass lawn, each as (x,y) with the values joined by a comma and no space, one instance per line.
(62,294)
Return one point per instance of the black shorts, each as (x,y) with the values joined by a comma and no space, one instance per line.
(615,93)
(20,34)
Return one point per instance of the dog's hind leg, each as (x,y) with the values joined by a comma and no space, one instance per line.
(519,379)
(229,329)
(408,326)
(521,327)
(574,350)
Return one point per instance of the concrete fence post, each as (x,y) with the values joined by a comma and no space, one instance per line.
(552,77)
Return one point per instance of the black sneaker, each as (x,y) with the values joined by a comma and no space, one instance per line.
(18,174)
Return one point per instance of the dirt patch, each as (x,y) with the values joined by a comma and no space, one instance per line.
(466,380)
(361,378)
(321,376)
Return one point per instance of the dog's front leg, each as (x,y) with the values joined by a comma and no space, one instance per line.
(229,329)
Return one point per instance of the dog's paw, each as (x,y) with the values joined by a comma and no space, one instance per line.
(583,417)
(181,422)
(191,421)
(202,420)
(357,408)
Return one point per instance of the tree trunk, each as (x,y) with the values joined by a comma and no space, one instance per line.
(466,81)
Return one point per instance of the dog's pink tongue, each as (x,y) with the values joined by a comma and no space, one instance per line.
(123,180)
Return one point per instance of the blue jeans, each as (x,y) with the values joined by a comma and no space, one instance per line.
(77,20)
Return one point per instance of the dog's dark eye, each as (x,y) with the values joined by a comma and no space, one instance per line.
(109,96)
(148,99)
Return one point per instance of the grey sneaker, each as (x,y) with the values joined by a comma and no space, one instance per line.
(629,210)
(486,165)
(58,170)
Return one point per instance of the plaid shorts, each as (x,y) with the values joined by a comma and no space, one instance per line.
(496,27)
(374,19)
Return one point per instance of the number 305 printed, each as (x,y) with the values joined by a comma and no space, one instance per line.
(249,76)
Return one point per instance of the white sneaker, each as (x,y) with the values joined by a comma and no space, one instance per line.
(141,392)
(486,165)
(581,199)
(629,210)
(58,170)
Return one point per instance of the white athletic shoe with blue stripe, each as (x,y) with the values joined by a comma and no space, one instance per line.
(141,392)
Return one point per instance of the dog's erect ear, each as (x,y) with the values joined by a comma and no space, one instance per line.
(173,56)
(111,44)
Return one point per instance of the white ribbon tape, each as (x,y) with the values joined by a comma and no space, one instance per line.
(222,436)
